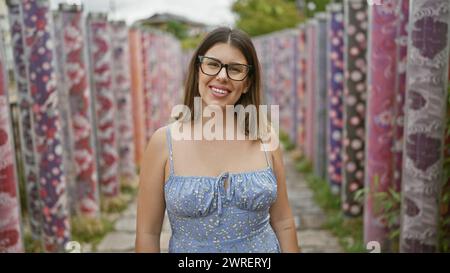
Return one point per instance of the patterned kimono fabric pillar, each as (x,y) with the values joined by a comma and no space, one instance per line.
(301,86)
(47,128)
(178,91)
(179,63)
(157,80)
(65,118)
(28,148)
(171,71)
(354,104)
(382,73)
(293,92)
(146,40)
(274,81)
(267,66)
(75,69)
(278,91)
(166,90)
(444,238)
(10,228)
(121,60)
(285,83)
(161,88)
(400,88)
(137,93)
(102,88)
(335,81)
(294,73)
(271,70)
(426,101)
(320,157)
(310,89)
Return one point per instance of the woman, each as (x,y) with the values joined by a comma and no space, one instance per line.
(220,195)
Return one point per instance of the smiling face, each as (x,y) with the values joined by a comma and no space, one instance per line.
(221,90)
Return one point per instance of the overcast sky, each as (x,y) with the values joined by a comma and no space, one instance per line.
(214,12)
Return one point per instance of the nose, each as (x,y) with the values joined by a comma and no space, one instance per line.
(222,73)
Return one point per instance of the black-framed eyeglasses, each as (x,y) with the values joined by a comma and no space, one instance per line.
(211,67)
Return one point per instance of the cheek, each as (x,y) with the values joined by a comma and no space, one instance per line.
(240,87)
(202,83)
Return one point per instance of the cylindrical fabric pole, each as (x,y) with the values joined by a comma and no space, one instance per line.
(64,115)
(335,81)
(426,102)
(382,72)
(271,59)
(301,86)
(354,104)
(174,75)
(163,88)
(310,89)
(155,81)
(122,91)
(285,68)
(137,91)
(146,40)
(177,77)
(444,242)
(75,70)
(10,229)
(100,55)
(47,128)
(28,149)
(400,88)
(160,86)
(320,95)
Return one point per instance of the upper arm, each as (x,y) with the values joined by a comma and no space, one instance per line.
(151,203)
(280,210)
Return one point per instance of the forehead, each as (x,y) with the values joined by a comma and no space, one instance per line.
(226,53)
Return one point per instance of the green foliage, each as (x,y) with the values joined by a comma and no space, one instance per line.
(129,186)
(387,204)
(304,165)
(257,17)
(90,230)
(114,204)
(284,137)
(178,29)
(285,140)
(31,245)
(129,190)
(319,5)
(349,231)
(322,193)
(192,42)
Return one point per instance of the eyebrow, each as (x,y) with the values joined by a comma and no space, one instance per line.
(222,62)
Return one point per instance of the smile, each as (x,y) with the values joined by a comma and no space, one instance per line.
(218,92)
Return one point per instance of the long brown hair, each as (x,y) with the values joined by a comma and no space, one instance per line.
(241,41)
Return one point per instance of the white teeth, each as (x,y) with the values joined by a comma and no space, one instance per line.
(219,90)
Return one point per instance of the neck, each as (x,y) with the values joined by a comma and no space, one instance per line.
(214,119)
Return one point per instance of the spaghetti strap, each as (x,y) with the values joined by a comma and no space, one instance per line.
(169,145)
(265,154)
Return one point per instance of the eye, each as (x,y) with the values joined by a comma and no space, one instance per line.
(212,64)
(236,68)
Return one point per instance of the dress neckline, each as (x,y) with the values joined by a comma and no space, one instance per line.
(209,177)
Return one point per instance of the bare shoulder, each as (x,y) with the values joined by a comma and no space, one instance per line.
(157,145)
(158,138)
(274,146)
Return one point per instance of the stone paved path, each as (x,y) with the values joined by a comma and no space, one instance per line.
(308,216)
